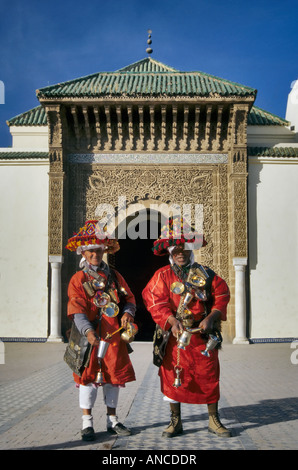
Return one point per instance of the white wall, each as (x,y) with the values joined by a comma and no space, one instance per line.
(29,137)
(292,106)
(273,247)
(270,136)
(24,249)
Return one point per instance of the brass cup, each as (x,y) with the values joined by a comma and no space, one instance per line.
(211,344)
(129,334)
(184,340)
(188,297)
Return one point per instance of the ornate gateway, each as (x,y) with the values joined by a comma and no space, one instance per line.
(152,134)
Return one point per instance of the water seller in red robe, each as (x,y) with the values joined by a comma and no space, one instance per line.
(190,300)
(96,295)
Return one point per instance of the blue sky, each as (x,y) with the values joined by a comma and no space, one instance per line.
(254,43)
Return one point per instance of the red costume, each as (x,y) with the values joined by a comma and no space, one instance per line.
(116,365)
(199,374)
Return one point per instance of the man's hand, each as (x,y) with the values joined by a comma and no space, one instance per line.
(92,338)
(207,323)
(177,328)
(126,318)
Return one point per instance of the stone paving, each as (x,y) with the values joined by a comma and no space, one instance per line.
(39,403)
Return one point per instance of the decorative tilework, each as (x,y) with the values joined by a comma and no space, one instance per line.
(148,159)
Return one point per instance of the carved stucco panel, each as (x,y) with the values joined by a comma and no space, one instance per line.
(92,185)
(56,215)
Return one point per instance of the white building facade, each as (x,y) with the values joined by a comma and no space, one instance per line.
(268,297)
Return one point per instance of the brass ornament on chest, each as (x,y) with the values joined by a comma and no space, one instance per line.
(123,291)
(187,319)
(177,288)
(197,280)
(88,288)
(97,284)
(110,310)
(101,300)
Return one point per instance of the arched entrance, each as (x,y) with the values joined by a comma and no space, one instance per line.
(137,263)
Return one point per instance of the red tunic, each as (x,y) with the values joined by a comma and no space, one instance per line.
(116,365)
(199,374)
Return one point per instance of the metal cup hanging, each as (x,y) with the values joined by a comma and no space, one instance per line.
(102,349)
(212,342)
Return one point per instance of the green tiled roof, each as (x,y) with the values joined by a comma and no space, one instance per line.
(260,117)
(23,155)
(37,117)
(145,78)
(147,65)
(282,152)
(33,117)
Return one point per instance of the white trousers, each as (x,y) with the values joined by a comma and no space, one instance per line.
(88,395)
(169,400)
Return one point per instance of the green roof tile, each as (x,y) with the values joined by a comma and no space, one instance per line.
(33,117)
(23,155)
(147,65)
(145,78)
(281,152)
(260,117)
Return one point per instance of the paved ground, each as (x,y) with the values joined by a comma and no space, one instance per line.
(259,403)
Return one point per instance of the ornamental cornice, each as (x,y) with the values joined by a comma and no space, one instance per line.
(146,99)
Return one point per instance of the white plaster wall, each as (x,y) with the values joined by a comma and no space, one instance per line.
(29,137)
(273,248)
(24,249)
(270,136)
(292,106)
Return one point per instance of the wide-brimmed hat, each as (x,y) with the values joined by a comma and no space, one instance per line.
(91,235)
(177,233)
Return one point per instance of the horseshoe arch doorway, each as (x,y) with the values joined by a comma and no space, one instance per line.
(137,263)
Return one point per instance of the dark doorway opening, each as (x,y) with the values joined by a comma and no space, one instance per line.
(137,264)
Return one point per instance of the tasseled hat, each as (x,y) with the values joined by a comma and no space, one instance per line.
(177,233)
(91,235)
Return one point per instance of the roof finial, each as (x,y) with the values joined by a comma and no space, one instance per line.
(149,50)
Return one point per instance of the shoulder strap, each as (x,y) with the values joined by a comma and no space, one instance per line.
(207,303)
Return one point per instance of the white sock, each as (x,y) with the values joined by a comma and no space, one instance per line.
(87,421)
(112,420)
